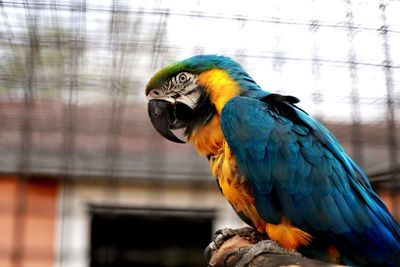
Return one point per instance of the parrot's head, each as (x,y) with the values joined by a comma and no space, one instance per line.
(189,93)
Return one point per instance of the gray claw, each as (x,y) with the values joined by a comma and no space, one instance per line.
(236,255)
(264,246)
(224,234)
(219,238)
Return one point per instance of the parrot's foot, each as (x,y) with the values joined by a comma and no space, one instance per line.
(224,234)
(263,246)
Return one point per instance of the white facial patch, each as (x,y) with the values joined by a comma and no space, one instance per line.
(181,88)
(190,96)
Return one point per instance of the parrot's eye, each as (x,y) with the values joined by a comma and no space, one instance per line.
(182,78)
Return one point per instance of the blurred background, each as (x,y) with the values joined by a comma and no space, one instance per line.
(84,178)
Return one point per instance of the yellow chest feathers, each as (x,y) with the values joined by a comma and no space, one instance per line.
(234,186)
(208,140)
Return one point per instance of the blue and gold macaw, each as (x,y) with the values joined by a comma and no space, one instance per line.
(282,171)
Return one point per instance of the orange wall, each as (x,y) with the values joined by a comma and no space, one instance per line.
(30,232)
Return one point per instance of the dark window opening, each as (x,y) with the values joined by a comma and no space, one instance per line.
(148,237)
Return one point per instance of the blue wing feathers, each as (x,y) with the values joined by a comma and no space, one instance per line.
(298,169)
(302,173)
(288,205)
(267,207)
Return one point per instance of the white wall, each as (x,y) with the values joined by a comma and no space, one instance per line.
(74,219)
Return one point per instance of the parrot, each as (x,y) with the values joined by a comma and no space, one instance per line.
(283,172)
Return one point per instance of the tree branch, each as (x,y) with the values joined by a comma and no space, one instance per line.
(234,248)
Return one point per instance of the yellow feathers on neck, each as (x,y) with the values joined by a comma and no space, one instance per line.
(220,86)
(208,139)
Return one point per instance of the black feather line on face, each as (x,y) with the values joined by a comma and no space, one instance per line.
(202,113)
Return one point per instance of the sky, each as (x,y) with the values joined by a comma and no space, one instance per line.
(301,48)
(283,29)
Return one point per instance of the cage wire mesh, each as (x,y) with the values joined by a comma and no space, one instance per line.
(73,72)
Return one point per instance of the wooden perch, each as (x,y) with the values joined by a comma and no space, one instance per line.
(224,256)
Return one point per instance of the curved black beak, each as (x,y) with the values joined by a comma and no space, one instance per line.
(162,116)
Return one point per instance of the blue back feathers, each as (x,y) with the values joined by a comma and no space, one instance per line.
(298,169)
